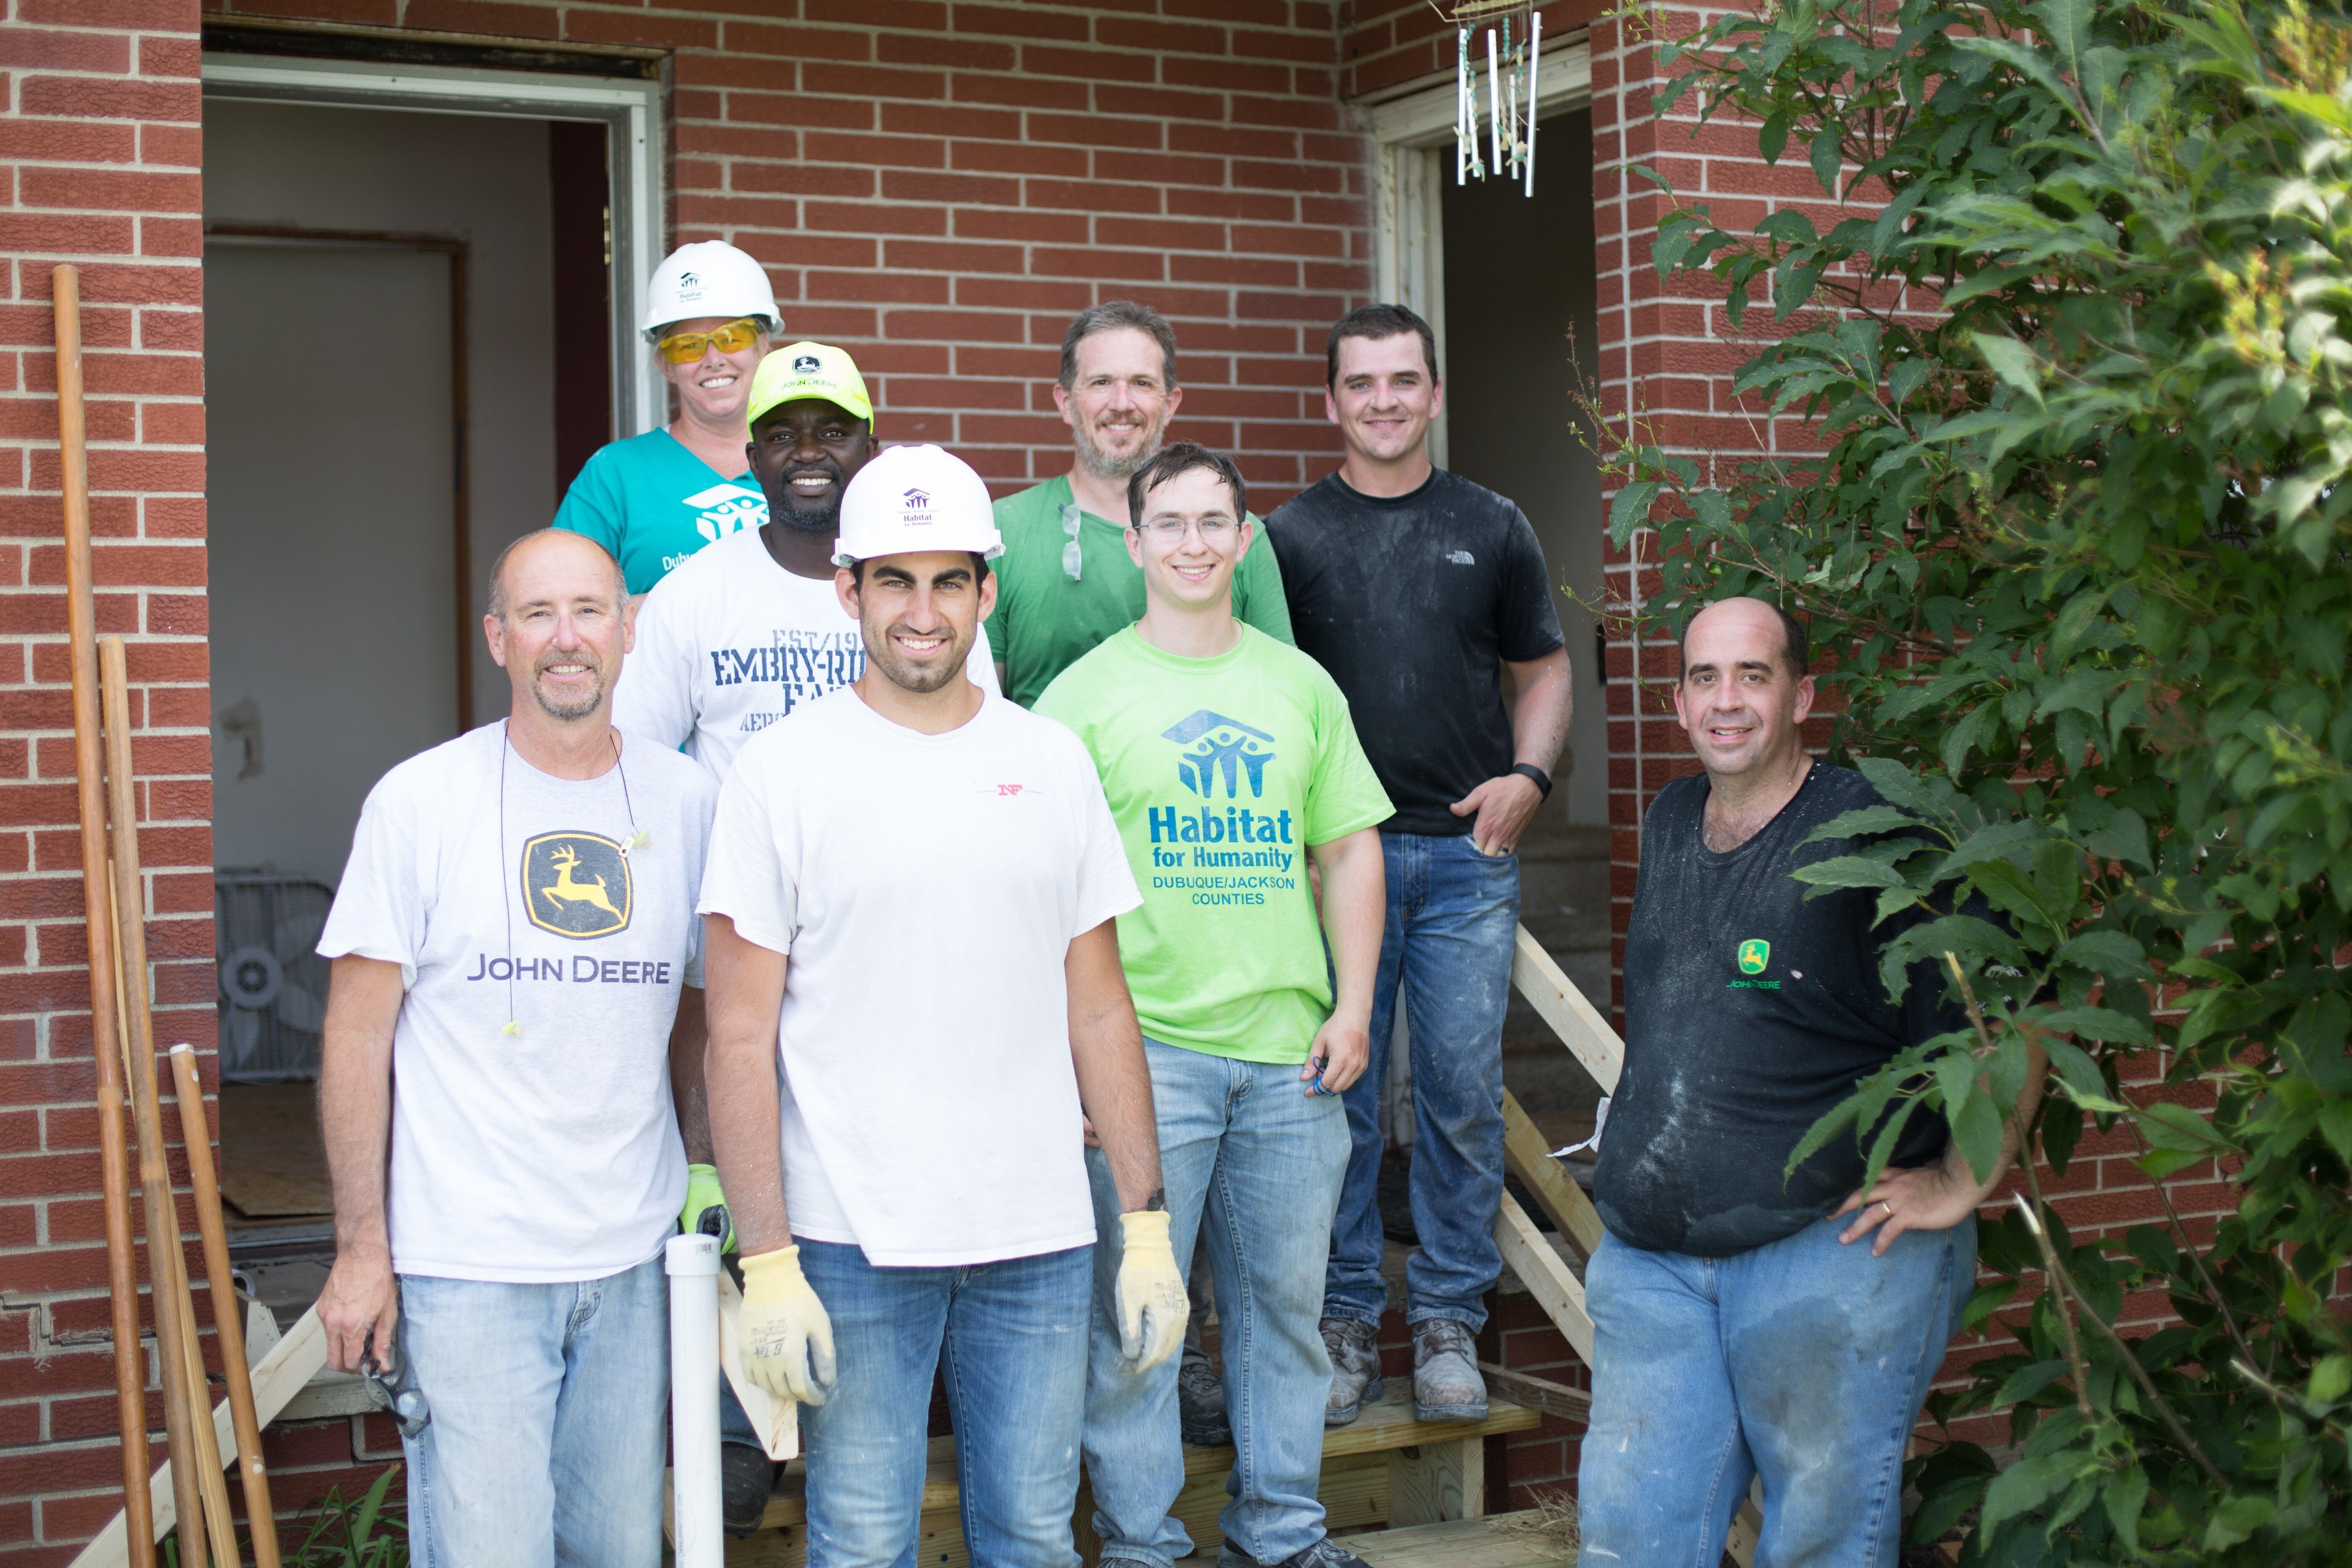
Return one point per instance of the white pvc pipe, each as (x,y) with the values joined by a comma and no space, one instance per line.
(692,1262)
(1535,49)
(1495,107)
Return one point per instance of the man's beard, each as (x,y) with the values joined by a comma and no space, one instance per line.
(576,708)
(882,654)
(1102,465)
(803,517)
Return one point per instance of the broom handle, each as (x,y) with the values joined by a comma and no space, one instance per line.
(154,1172)
(105,1022)
(197,1135)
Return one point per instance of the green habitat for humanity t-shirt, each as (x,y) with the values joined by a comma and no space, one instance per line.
(1221,772)
(653,503)
(1044,619)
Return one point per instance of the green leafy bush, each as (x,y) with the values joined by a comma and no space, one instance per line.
(2076,554)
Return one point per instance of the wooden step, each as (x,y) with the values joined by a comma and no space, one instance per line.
(1501,1541)
(1384,1465)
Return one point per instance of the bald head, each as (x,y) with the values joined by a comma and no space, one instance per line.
(1751,617)
(1744,695)
(531,555)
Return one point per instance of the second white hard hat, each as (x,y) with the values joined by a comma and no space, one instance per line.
(910,498)
(710,278)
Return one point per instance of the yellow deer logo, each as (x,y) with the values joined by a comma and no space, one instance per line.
(576,884)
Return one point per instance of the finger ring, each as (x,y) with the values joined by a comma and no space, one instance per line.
(1887,1206)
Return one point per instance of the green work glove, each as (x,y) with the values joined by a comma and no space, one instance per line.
(787,1338)
(706,1207)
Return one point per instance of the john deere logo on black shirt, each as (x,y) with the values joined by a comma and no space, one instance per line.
(1217,747)
(1754,954)
(576,884)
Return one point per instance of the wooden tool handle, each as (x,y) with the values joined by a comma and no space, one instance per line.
(196,1132)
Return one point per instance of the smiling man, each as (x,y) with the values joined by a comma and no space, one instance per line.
(1064,582)
(1416,589)
(911,908)
(751,630)
(511,1089)
(1230,764)
(1751,1009)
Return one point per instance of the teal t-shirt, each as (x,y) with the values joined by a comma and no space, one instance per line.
(653,503)
(1044,620)
(1221,772)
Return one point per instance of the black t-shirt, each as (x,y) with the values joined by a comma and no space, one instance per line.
(1413,602)
(1749,1013)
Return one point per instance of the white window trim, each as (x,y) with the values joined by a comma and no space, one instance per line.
(632,110)
(1409,135)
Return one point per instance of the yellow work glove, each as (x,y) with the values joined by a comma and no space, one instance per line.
(787,1338)
(1152,1305)
(706,1202)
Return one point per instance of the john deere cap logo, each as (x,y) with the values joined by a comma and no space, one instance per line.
(806,364)
(1754,954)
(576,884)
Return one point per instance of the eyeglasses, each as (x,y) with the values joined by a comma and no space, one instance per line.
(1073,558)
(1213,530)
(685,348)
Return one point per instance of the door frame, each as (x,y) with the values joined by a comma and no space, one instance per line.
(630,108)
(1409,133)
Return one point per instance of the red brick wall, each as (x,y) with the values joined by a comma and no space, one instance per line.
(99,167)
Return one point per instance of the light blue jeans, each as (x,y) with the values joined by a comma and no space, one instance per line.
(1452,924)
(1804,1361)
(1015,1337)
(1249,1158)
(549,1428)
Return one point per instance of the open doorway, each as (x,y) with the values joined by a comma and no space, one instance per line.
(409,349)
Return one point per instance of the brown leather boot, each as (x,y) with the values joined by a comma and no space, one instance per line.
(1445,1382)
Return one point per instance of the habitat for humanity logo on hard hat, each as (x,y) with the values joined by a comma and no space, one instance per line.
(909,499)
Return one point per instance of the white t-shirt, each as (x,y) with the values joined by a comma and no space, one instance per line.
(551,1153)
(927,888)
(730,642)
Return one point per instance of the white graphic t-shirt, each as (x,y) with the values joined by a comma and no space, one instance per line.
(730,642)
(926,889)
(551,1152)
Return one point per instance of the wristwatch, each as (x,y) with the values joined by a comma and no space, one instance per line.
(1530,770)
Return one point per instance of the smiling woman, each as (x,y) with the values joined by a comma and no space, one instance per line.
(654,499)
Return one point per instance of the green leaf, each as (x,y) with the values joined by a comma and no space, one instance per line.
(2236,1520)
(1860,821)
(1849,871)
(2107,953)
(2012,361)
(2331,1380)
(1631,511)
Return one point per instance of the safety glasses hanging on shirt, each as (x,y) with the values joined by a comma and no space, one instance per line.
(685,348)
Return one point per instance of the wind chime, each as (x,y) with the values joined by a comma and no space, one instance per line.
(1509,142)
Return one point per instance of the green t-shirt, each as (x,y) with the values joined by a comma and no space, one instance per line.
(1221,772)
(653,503)
(1044,620)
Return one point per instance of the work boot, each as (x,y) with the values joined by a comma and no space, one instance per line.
(1201,1402)
(1354,1348)
(746,1479)
(1445,1382)
(1325,1554)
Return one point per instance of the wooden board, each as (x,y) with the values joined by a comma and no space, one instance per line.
(1579,1025)
(277,1380)
(1529,1157)
(1462,1543)
(1433,1481)
(1527,1254)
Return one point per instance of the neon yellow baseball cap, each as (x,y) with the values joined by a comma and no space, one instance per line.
(808,369)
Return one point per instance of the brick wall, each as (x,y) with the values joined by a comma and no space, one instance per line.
(100,155)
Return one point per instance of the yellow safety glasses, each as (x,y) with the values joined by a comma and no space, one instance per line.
(685,348)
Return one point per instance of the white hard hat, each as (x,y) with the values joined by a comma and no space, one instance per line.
(908,499)
(710,278)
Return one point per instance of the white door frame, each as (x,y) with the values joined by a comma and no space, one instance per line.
(1408,135)
(630,108)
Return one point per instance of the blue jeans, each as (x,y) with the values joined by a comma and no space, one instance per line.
(549,1429)
(1015,1342)
(1246,1153)
(1804,1361)
(1454,920)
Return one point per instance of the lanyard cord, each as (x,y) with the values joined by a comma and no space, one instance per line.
(506,895)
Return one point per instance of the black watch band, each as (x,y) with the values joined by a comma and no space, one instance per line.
(1530,770)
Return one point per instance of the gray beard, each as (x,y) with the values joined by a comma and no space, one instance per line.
(1103,466)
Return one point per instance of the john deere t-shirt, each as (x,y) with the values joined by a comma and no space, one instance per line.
(547,1151)
(653,503)
(1750,1012)
(1221,772)
(1045,618)
(730,642)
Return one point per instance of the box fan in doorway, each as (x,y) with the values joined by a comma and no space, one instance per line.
(273,983)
